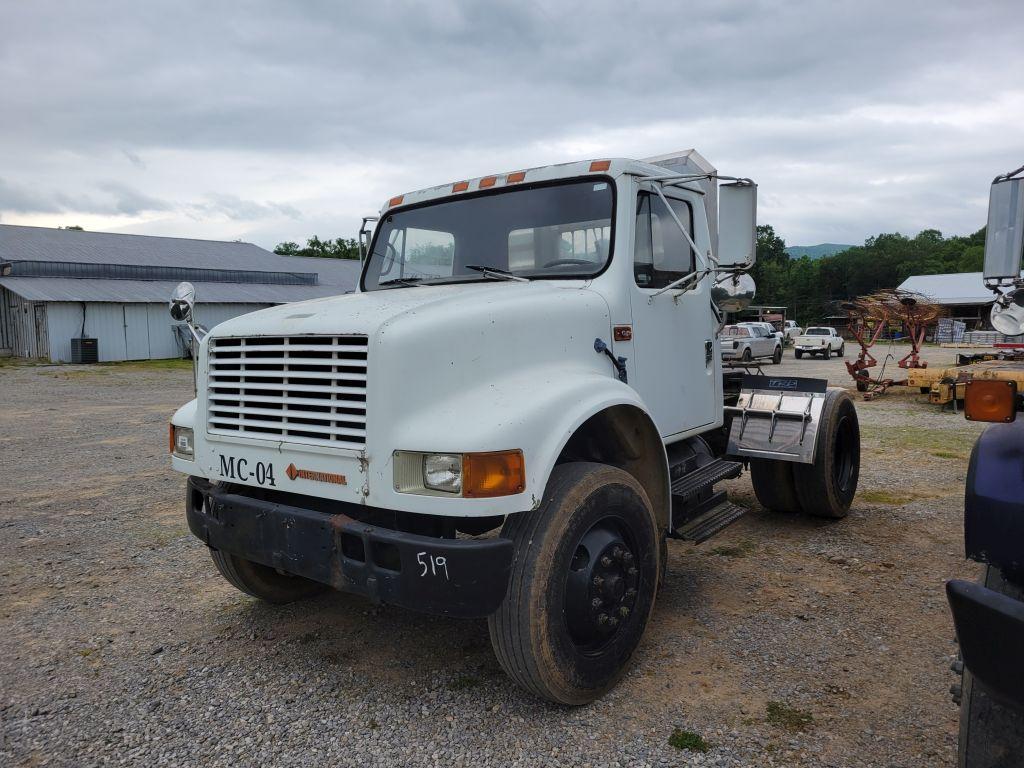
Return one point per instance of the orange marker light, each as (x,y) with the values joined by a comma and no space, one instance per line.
(170,438)
(396,200)
(512,178)
(460,186)
(990,400)
(499,473)
(600,165)
(487,181)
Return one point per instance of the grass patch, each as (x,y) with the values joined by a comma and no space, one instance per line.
(742,549)
(889,498)
(790,718)
(923,440)
(688,740)
(171,364)
(948,455)
(463,683)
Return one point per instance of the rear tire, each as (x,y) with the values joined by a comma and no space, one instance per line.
(826,488)
(797,354)
(590,550)
(777,356)
(774,485)
(842,349)
(747,355)
(263,582)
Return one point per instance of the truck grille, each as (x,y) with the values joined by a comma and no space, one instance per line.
(303,389)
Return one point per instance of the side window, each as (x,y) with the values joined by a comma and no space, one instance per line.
(418,253)
(661,254)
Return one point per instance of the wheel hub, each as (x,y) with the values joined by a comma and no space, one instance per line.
(602,585)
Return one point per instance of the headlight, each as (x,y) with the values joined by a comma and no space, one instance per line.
(470,475)
(442,472)
(182,442)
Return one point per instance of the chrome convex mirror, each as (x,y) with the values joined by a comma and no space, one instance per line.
(1008,313)
(183,302)
(733,292)
(1004,235)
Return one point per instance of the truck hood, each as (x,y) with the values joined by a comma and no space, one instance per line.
(366,313)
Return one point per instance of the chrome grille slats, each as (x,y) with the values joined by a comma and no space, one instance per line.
(301,389)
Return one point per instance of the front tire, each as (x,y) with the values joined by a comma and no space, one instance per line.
(826,488)
(263,582)
(991,733)
(842,349)
(583,584)
(747,355)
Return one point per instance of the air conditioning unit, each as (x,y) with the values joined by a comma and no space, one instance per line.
(85,349)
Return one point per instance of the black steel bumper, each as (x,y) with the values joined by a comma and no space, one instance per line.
(452,577)
(990,629)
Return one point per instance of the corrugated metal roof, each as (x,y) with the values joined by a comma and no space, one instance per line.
(149,291)
(958,288)
(18,243)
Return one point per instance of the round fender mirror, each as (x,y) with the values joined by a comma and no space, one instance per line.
(183,301)
(734,292)
(1008,313)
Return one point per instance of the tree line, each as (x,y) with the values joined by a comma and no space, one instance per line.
(812,289)
(339,248)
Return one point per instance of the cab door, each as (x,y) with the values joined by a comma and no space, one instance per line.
(673,332)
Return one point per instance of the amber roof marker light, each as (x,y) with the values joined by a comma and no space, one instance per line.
(460,186)
(992,400)
(600,165)
(512,178)
(396,200)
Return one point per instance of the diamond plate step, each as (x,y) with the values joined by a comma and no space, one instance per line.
(691,484)
(711,522)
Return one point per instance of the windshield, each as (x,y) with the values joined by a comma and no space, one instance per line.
(560,230)
(818,332)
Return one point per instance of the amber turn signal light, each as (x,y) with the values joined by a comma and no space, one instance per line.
(170,438)
(990,400)
(498,473)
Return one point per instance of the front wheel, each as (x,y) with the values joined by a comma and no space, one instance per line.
(842,349)
(747,355)
(991,733)
(584,578)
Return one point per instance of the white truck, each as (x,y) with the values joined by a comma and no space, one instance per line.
(747,342)
(518,406)
(819,340)
(791,331)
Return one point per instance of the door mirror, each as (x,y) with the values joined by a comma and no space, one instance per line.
(733,293)
(183,302)
(1007,313)
(737,224)
(1004,238)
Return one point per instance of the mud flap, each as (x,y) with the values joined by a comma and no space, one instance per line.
(777,417)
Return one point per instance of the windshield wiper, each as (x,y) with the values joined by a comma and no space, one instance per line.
(413,281)
(496,273)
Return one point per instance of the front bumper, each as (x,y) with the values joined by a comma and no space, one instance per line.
(990,630)
(451,577)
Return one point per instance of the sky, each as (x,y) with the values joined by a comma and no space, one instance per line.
(268,121)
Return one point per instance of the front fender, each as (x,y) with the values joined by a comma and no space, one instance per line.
(536,411)
(994,500)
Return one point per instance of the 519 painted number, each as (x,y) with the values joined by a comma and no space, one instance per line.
(432,565)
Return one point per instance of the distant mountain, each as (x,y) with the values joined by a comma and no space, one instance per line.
(815,251)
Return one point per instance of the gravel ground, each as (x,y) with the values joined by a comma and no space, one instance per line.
(784,641)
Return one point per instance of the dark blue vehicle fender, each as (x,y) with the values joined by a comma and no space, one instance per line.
(994,502)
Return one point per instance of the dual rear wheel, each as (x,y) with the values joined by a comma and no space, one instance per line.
(825,488)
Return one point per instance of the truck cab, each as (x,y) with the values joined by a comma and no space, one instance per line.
(508,418)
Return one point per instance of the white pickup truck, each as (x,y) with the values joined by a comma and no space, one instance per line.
(819,340)
(522,401)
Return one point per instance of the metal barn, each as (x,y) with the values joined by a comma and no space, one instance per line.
(59,286)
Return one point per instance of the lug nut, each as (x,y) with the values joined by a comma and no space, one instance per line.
(613,621)
(598,581)
(617,553)
(627,557)
(624,611)
(631,593)
(606,561)
(596,602)
(603,619)
(632,571)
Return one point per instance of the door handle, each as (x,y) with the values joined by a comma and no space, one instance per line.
(709,352)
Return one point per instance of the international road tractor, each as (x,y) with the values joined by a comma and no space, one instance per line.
(521,402)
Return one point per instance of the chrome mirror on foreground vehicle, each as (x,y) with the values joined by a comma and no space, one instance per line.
(1008,313)
(183,302)
(734,292)
(737,224)
(1004,236)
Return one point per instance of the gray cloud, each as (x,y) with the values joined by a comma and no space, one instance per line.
(853,117)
